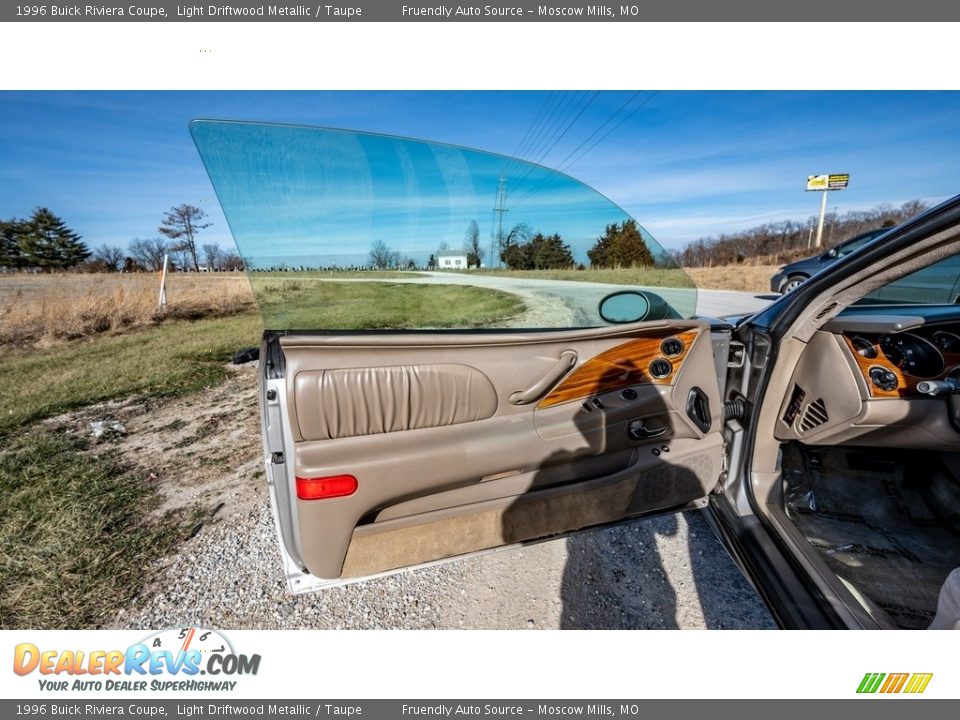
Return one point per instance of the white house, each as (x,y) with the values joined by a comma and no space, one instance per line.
(452,260)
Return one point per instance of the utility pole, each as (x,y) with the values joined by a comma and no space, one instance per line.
(823,210)
(162,299)
(499,210)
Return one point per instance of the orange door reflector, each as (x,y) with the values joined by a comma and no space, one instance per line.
(324,488)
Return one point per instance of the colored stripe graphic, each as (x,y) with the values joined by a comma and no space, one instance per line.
(918,682)
(894,683)
(870,682)
(913,683)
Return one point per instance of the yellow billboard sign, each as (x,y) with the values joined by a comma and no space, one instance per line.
(828,182)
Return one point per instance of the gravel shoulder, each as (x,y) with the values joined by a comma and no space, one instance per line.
(663,572)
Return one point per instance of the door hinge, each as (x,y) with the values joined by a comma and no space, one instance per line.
(277,458)
(736,355)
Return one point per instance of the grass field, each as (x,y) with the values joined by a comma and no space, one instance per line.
(746,278)
(171,359)
(48,308)
(307,304)
(75,543)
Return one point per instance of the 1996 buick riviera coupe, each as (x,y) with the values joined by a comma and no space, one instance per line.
(422,415)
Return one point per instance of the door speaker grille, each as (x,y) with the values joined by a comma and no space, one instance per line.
(825,311)
(814,415)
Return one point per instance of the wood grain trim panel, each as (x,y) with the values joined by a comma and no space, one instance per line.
(620,366)
(906,384)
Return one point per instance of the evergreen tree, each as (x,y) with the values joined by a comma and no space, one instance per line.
(621,246)
(552,253)
(518,255)
(629,248)
(10,236)
(47,242)
(540,252)
(600,251)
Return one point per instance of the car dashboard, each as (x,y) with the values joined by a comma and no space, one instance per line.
(884,376)
(901,364)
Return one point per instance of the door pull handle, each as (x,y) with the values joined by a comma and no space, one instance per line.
(638,431)
(567,359)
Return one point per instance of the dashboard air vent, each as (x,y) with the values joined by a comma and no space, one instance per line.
(814,416)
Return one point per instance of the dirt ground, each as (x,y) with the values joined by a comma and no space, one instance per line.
(202,452)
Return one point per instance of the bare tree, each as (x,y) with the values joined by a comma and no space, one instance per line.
(518,234)
(182,223)
(787,240)
(148,253)
(381,257)
(212,254)
(109,258)
(231,261)
(472,245)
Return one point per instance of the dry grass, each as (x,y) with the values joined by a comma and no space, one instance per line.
(41,309)
(748,278)
(745,277)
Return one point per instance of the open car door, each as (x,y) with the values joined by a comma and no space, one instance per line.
(413,413)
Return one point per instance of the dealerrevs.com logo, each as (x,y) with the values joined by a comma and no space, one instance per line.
(891,683)
(170,660)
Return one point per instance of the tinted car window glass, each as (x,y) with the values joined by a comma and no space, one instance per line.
(936,284)
(351,230)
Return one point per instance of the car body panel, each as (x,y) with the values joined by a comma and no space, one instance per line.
(807,267)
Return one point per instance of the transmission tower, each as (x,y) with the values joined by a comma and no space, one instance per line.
(498,211)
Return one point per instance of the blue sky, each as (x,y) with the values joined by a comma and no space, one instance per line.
(685,164)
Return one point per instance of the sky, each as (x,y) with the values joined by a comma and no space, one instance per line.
(684,164)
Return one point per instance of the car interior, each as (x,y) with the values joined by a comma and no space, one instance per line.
(857,447)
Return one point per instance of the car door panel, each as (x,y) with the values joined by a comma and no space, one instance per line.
(446,464)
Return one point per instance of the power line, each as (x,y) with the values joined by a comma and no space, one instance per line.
(528,133)
(547,125)
(534,131)
(572,158)
(564,129)
(613,129)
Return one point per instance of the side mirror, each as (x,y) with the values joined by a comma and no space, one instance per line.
(629,306)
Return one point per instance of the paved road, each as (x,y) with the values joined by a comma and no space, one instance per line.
(581,298)
(566,303)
